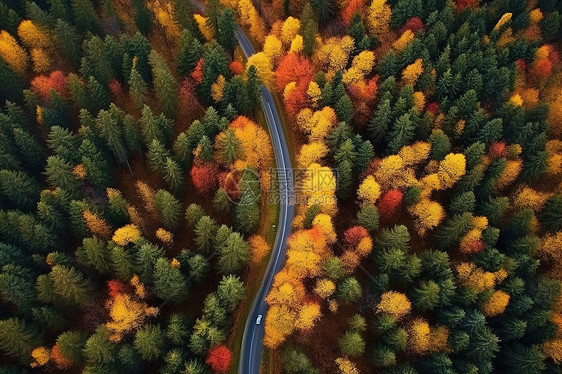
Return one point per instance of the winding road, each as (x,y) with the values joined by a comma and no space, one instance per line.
(250,353)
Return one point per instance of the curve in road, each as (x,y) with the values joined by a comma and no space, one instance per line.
(250,356)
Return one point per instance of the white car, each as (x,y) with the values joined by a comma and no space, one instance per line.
(258,320)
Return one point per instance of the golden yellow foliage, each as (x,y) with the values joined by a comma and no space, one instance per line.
(324,221)
(346,367)
(217,88)
(273,48)
(477,279)
(250,18)
(505,19)
(279,323)
(314,93)
(308,316)
(318,188)
(147,195)
(550,250)
(333,54)
(378,17)
(258,247)
(41,60)
(416,153)
(369,191)
(361,65)
(290,29)
(325,288)
(427,214)
(395,304)
(311,153)
(365,246)
(333,305)
(256,145)
(13,53)
(516,100)
(509,173)
(402,42)
(39,114)
(527,197)
(34,36)
(439,337)
(451,169)
(41,355)
(496,304)
(263,66)
(412,72)
(536,15)
(127,313)
(203,27)
(297,44)
(164,236)
(419,101)
(553,349)
(419,336)
(126,234)
(175,263)
(96,225)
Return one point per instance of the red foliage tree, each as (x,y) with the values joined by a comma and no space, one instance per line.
(521,64)
(236,67)
(218,358)
(115,88)
(475,246)
(461,4)
(293,68)
(352,7)
(204,176)
(197,73)
(354,234)
(115,287)
(541,69)
(43,84)
(61,361)
(432,107)
(389,204)
(498,149)
(414,24)
(296,100)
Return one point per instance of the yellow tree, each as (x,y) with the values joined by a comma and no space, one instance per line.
(411,73)
(404,39)
(263,66)
(509,173)
(311,153)
(289,30)
(126,234)
(34,36)
(273,48)
(297,44)
(496,304)
(308,315)
(419,338)
(314,93)
(416,153)
(378,17)
(41,357)
(427,214)
(324,221)
(361,65)
(279,324)
(369,191)
(258,247)
(346,367)
(96,225)
(13,53)
(325,288)
(203,26)
(451,169)
(217,88)
(395,304)
(41,60)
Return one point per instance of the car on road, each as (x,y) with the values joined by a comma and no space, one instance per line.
(258,320)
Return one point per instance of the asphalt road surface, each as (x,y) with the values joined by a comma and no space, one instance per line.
(250,353)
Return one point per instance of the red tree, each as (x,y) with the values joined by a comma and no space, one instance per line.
(293,68)
(432,107)
(414,24)
(389,204)
(474,246)
(204,176)
(541,69)
(521,64)
(352,7)
(197,73)
(236,67)
(43,84)
(115,88)
(354,234)
(498,149)
(218,358)
(115,287)
(461,4)
(296,100)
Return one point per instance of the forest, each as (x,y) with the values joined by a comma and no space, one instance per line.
(137,173)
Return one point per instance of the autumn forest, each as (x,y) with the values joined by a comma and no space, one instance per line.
(148,149)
